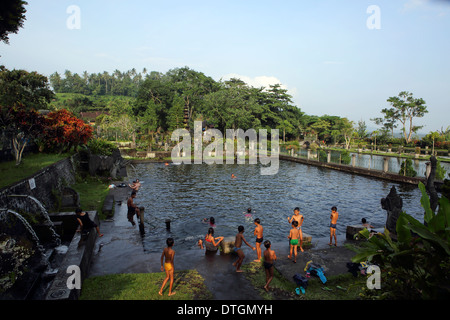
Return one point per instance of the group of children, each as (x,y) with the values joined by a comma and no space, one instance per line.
(295,240)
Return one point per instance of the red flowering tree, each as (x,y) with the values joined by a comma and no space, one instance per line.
(21,125)
(63,131)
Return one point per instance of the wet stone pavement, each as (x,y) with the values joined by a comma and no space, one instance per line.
(120,250)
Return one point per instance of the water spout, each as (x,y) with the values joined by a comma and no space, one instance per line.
(26,224)
(56,238)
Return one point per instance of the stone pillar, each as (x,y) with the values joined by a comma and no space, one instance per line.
(386,164)
(309,154)
(353,160)
(328,156)
(141,220)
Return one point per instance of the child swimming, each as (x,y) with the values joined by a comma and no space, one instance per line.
(211,221)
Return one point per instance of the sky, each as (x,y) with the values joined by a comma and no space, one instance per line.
(341,57)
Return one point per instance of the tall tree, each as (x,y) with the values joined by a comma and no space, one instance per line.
(406,108)
(63,131)
(21,125)
(29,89)
(12,17)
(389,120)
(362,129)
(346,128)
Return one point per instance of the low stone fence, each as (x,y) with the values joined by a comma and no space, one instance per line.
(356,170)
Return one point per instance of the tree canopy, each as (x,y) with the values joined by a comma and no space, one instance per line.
(12,17)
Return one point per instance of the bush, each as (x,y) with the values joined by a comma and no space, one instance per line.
(345,157)
(323,157)
(101,147)
(440,171)
(409,170)
(417,265)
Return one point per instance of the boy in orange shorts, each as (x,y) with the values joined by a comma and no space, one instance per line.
(168,253)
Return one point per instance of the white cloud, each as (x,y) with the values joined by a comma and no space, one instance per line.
(256,82)
(412,4)
(264,81)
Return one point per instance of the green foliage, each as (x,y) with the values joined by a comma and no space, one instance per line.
(404,109)
(417,264)
(406,169)
(345,157)
(440,171)
(20,87)
(101,147)
(12,17)
(323,157)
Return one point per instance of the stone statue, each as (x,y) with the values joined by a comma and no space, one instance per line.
(434,198)
(110,165)
(393,205)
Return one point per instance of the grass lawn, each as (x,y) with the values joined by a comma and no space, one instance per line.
(31,163)
(92,191)
(341,287)
(188,285)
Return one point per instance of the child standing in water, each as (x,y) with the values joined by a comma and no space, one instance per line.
(269,259)
(293,237)
(259,238)
(334,217)
(168,255)
(299,218)
(237,248)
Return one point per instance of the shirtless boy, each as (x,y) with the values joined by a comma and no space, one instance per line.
(293,237)
(269,259)
(259,238)
(299,218)
(136,185)
(237,248)
(132,208)
(168,255)
(334,217)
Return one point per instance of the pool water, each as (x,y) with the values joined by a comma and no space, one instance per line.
(186,194)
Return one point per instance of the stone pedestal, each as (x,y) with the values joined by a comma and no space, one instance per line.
(353,230)
(227,245)
(307,239)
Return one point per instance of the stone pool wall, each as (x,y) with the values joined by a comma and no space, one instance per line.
(44,185)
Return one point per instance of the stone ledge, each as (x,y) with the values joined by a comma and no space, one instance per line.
(78,254)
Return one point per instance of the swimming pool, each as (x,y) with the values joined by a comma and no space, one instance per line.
(186,194)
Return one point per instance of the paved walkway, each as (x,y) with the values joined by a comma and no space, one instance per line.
(120,250)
